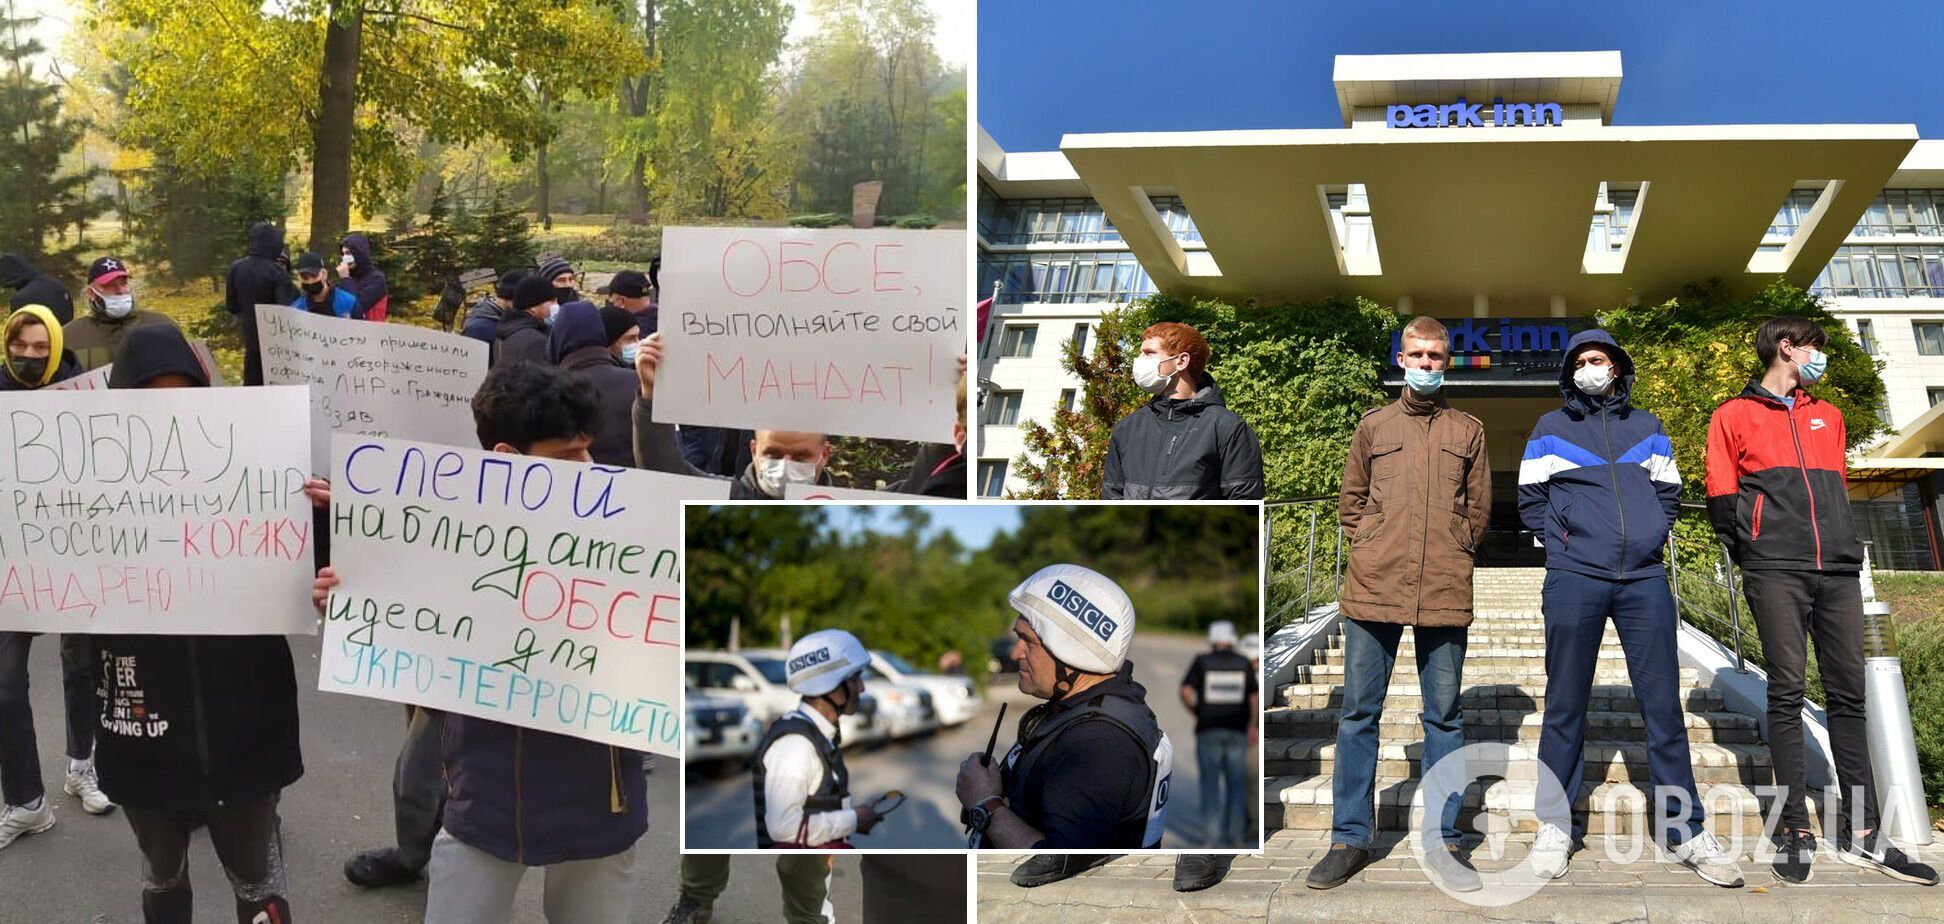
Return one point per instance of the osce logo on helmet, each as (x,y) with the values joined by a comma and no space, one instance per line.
(809,659)
(1074,602)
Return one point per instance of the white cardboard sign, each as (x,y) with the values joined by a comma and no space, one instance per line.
(368,379)
(165,511)
(833,331)
(540,593)
(96,380)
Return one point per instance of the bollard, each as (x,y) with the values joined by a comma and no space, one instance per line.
(1893,746)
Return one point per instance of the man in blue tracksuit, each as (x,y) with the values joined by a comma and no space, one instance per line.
(1598,482)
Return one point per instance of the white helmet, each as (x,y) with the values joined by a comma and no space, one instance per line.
(821,661)
(1251,646)
(1221,632)
(1083,618)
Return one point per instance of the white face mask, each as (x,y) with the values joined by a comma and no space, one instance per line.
(1147,374)
(347,261)
(773,474)
(118,306)
(1593,380)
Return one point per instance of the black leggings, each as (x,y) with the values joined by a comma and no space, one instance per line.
(248,843)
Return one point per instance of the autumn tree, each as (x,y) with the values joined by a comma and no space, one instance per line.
(37,197)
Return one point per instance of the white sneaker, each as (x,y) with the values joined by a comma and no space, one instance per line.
(17,820)
(1705,855)
(85,786)
(1551,852)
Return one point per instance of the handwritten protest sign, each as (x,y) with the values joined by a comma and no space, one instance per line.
(164,511)
(832,331)
(521,589)
(824,492)
(96,380)
(374,379)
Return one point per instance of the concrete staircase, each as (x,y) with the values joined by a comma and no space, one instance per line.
(1505,701)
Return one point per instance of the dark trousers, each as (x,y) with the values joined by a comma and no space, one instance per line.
(20,769)
(913,887)
(1577,608)
(418,789)
(1789,607)
(248,843)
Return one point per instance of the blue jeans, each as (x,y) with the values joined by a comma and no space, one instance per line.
(1370,652)
(1222,755)
(1577,608)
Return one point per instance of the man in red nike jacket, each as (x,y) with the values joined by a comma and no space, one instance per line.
(1778,498)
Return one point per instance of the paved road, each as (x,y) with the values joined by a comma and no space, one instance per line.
(87,869)
(720,812)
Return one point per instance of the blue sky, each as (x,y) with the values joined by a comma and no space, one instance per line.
(974,525)
(1046,69)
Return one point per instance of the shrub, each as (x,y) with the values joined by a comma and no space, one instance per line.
(632,245)
(820,220)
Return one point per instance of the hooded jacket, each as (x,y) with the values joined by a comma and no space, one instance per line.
(96,338)
(32,287)
(366,281)
(520,336)
(578,344)
(657,450)
(61,365)
(257,279)
(1417,493)
(482,321)
(1598,479)
(1183,449)
(1778,484)
(229,702)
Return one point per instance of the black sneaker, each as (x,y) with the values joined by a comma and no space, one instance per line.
(1795,851)
(1877,853)
(689,911)
(1454,869)
(1195,872)
(379,869)
(1338,866)
(1053,867)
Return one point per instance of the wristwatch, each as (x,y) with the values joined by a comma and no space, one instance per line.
(982,813)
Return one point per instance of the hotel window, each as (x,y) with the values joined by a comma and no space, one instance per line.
(1018,340)
(1903,211)
(1866,337)
(1930,337)
(1883,271)
(1351,212)
(1067,396)
(1936,395)
(1794,210)
(1046,221)
(1002,409)
(1613,211)
(992,477)
(1064,278)
(1080,338)
(1175,215)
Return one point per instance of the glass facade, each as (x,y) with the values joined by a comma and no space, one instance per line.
(1894,525)
(1903,211)
(1059,277)
(1883,271)
(1613,211)
(1076,220)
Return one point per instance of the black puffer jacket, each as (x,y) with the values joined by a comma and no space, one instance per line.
(520,337)
(32,287)
(1183,449)
(190,722)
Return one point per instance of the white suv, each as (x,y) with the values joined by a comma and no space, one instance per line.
(719,729)
(758,679)
(956,698)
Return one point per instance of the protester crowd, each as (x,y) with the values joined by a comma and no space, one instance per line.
(477,802)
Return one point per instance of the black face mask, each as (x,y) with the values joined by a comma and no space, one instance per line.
(313,288)
(28,371)
(565,294)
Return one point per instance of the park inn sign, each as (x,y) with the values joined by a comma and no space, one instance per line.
(1462,114)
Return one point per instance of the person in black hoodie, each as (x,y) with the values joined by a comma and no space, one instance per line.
(1185,444)
(220,741)
(579,343)
(359,277)
(522,333)
(33,287)
(257,279)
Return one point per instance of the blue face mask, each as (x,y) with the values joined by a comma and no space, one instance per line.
(1812,369)
(552,313)
(630,352)
(1424,381)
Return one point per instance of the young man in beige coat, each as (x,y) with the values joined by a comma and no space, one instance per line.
(1417,492)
